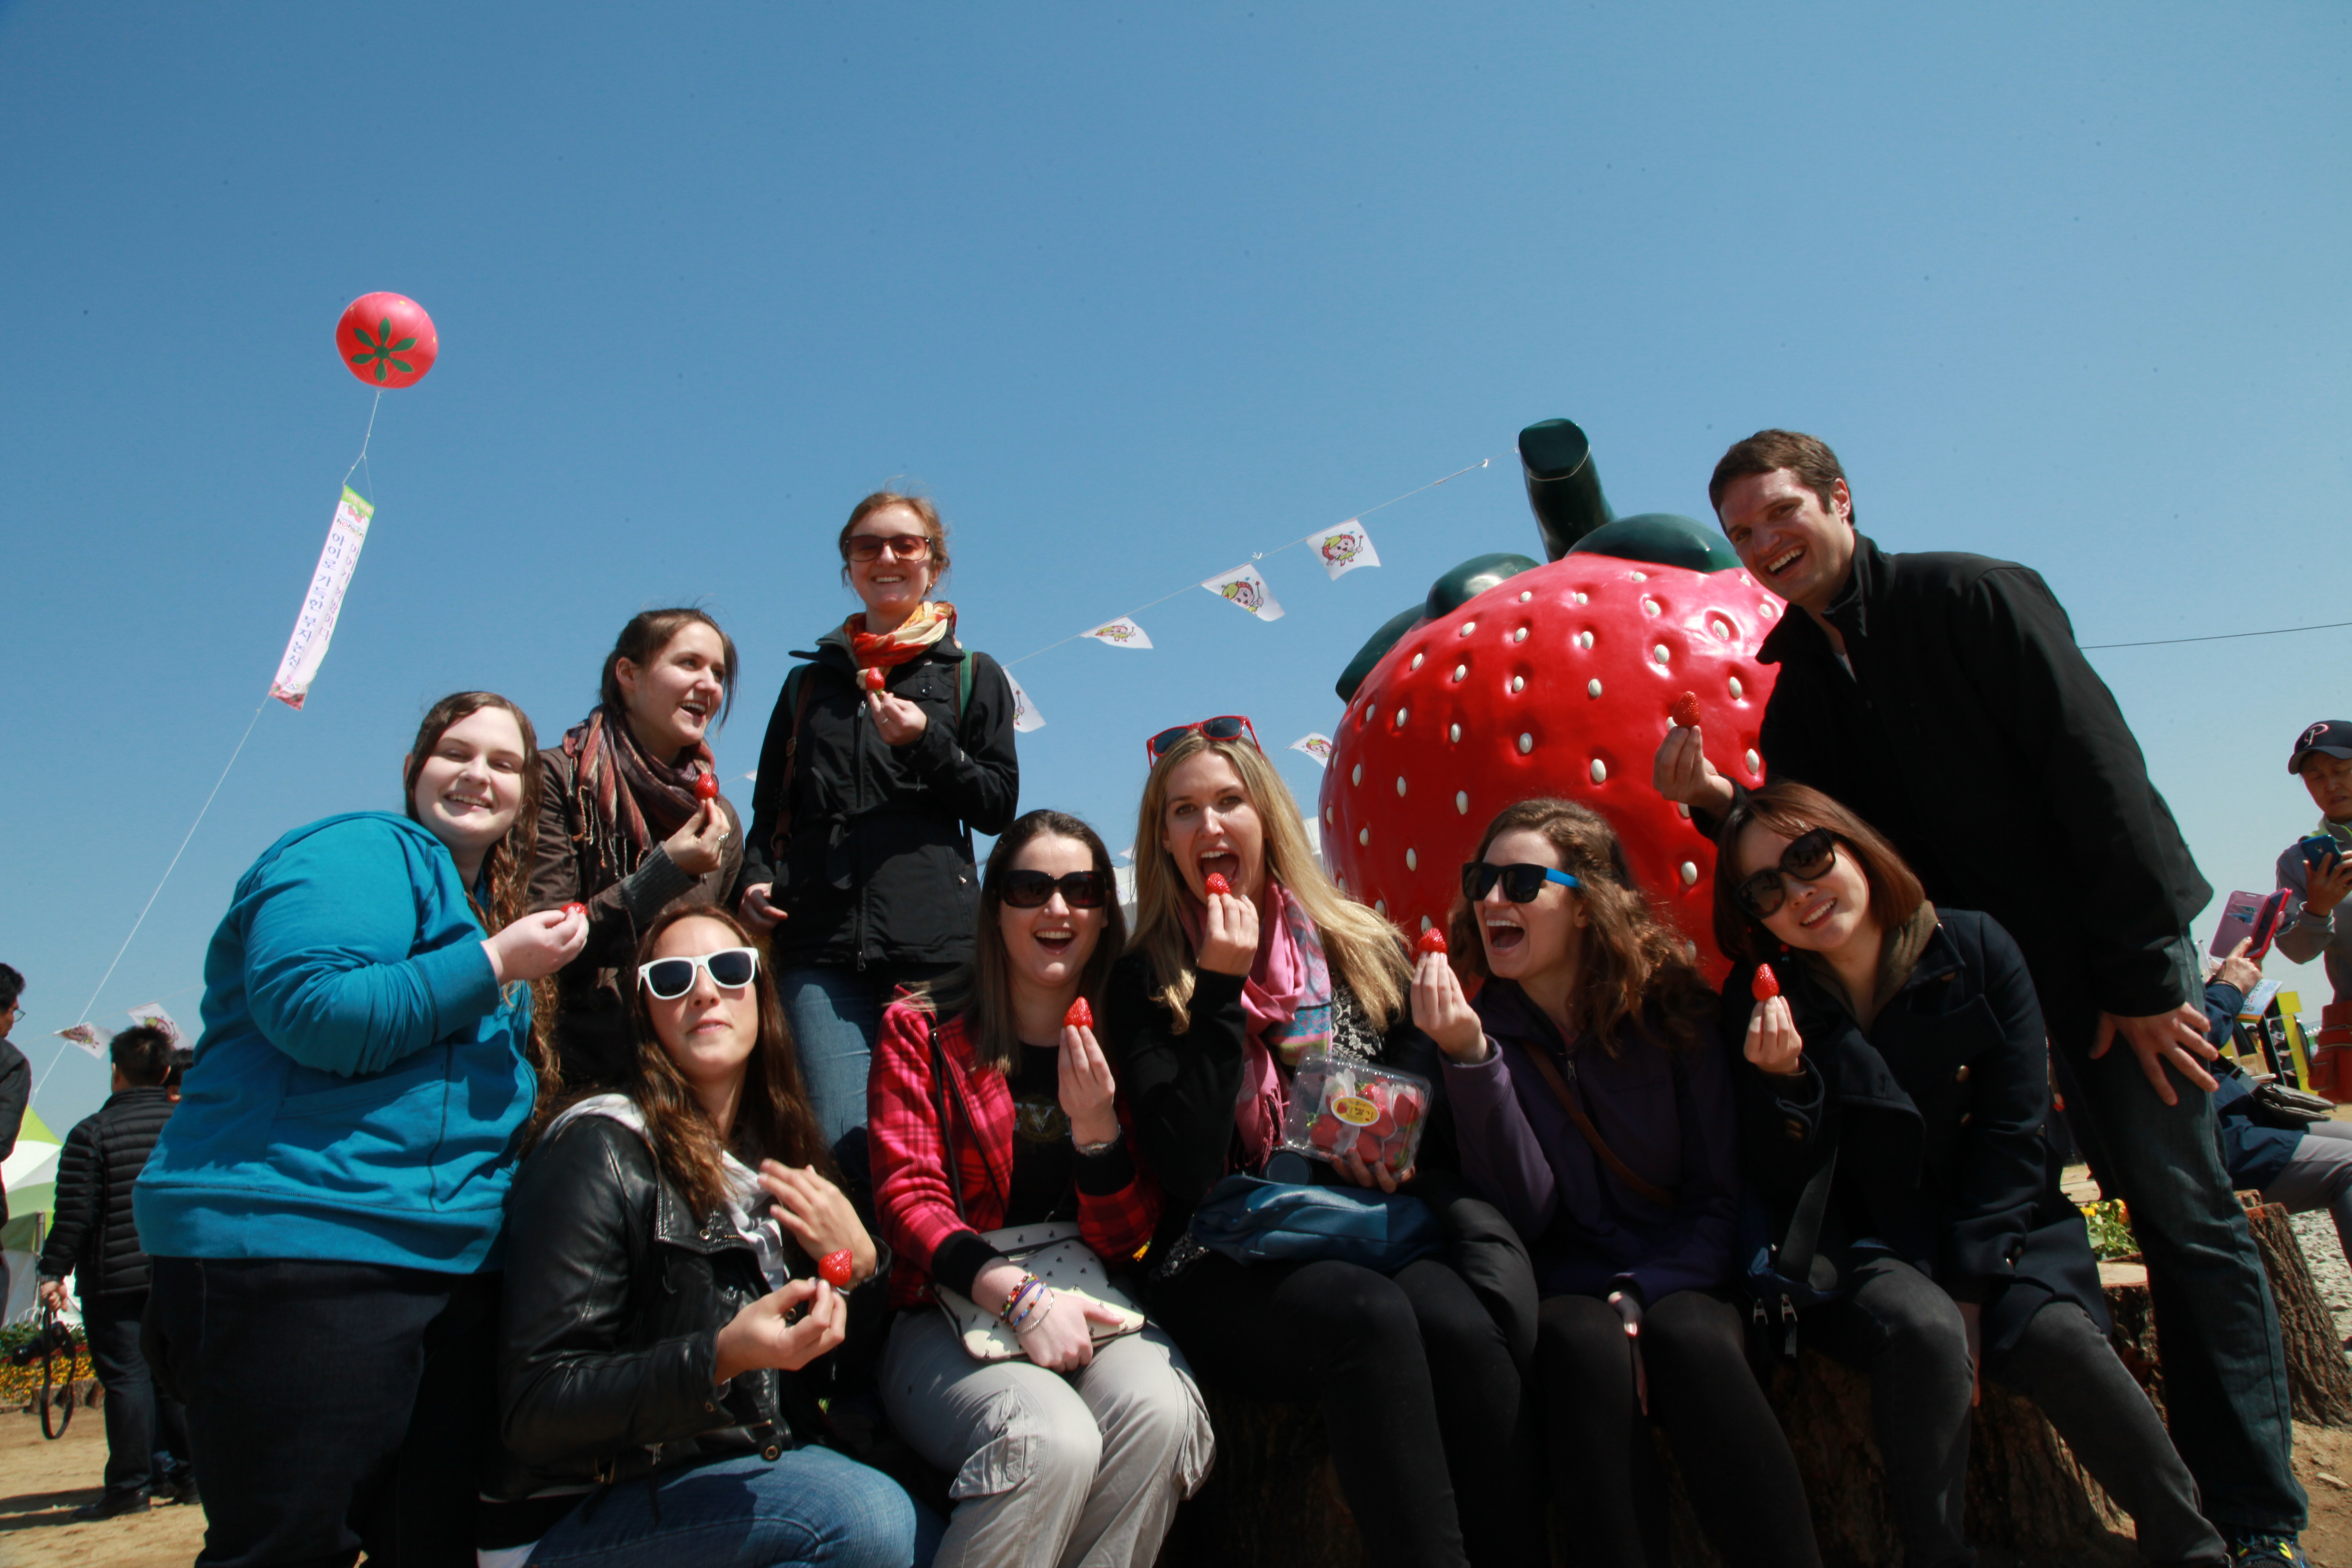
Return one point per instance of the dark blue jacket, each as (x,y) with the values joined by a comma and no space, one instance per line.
(2254,1154)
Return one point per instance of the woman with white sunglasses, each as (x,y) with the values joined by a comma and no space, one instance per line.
(681,1264)
(885,753)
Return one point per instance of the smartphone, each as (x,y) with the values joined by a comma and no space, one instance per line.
(2237,922)
(2266,924)
(2318,850)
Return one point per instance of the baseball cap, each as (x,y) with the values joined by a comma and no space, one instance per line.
(2333,736)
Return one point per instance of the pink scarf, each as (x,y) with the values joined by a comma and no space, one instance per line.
(1287,997)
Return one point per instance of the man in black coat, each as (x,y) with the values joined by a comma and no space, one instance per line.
(15,1086)
(97,1241)
(1942,697)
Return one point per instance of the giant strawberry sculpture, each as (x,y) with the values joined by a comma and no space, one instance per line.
(1516,680)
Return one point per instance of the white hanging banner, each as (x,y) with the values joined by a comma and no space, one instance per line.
(1120,633)
(1315,745)
(1025,716)
(152,1015)
(1246,589)
(86,1036)
(1344,548)
(307,649)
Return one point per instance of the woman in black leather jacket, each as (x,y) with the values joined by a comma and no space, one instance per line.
(667,1325)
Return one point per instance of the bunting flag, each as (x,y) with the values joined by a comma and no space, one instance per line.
(1120,633)
(315,624)
(87,1038)
(1345,548)
(1247,590)
(1025,716)
(1317,747)
(151,1013)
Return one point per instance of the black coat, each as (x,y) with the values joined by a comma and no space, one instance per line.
(15,1094)
(879,864)
(1975,735)
(1940,1107)
(608,1338)
(96,1239)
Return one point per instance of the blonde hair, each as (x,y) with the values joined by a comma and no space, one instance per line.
(1365,951)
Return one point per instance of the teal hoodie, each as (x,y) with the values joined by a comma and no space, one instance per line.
(360,1083)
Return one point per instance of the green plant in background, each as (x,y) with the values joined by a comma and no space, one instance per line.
(2111,1232)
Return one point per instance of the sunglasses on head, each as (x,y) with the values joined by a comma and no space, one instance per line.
(864,547)
(1807,859)
(1225,727)
(1035,890)
(730,969)
(1520,883)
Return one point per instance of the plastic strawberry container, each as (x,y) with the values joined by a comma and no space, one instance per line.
(1337,1106)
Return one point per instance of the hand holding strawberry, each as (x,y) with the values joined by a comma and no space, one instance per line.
(1773,1043)
(1443,1012)
(1766,986)
(1685,713)
(1079,1017)
(836,1268)
(1432,940)
(1216,886)
(1087,1092)
(706,786)
(1228,931)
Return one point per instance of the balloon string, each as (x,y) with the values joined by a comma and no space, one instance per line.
(363,447)
(159,885)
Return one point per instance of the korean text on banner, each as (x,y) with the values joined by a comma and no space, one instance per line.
(1244,587)
(1343,549)
(315,626)
(1025,716)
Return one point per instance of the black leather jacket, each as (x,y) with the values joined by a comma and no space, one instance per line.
(615,1297)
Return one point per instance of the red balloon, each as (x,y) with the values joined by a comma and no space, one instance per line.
(387,340)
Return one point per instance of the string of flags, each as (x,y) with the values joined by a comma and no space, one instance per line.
(91,1038)
(1341,548)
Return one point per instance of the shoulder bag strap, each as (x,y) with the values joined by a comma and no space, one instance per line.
(796,698)
(1804,1238)
(1560,1091)
(947,1122)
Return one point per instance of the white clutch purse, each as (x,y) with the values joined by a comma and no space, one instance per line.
(1053,1252)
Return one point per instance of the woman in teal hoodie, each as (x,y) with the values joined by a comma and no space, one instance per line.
(323,1208)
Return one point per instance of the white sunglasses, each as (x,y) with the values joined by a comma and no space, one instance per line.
(730,969)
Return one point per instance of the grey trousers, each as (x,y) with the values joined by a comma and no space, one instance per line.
(1052,1470)
(2318,1175)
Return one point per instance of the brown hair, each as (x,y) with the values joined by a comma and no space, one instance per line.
(507,868)
(1792,810)
(1365,951)
(641,642)
(925,513)
(1634,968)
(1808,458)
(773,1119)
(979,991)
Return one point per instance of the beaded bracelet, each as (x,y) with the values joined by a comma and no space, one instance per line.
(1041,1305)
(1026,1283)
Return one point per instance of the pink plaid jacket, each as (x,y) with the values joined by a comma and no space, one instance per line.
(912,1202)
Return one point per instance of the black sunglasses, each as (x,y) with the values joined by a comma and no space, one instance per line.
(865,547)
(1034,890)
(1808,859)
(1225,727)
(1520,883)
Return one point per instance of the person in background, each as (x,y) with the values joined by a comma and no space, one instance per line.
(885,753)
(2308,928)
(1219,996)
(622,827)
(667,1335)
(323,1209)
(15,1086)
(2299,1165)
(1941,696)
(1595,1108)
(1894,1089)
(1089,1448)
(97,1241)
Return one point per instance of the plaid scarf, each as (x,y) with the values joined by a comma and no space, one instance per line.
(620,824)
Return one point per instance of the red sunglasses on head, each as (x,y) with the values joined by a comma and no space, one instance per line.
(1225,727)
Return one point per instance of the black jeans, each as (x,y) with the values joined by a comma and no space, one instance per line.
(1608,1487)
(140,1418)
(1407,1369)
(1901,1327)
(334,1408)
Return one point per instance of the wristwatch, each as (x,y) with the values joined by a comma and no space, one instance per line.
(1094,1151)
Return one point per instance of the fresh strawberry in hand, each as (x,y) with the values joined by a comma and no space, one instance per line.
(870,679)
(1079,1017)
(835,1268)
(575,909)
(1685,713)
(706,786)
(1766,986)
(1432,940)
(1216,885)
(1554,682)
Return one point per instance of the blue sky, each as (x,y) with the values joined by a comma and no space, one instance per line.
(1133,293)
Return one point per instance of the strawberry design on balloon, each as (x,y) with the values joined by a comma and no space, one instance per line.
(1515,679)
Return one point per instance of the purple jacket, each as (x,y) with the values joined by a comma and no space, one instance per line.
(1667,1115)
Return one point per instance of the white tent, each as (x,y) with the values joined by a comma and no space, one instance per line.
(29,1177)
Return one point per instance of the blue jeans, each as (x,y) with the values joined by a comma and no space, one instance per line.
(835,1014)
(2225,1388)
(810,1506)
